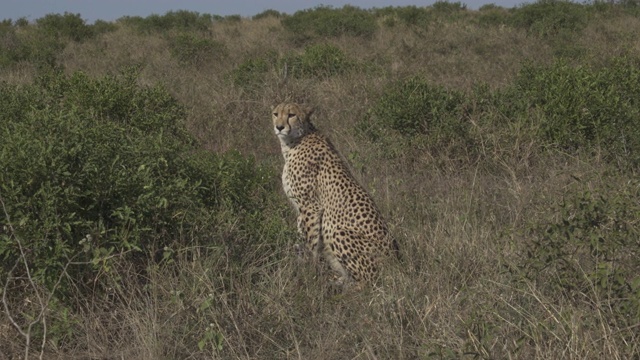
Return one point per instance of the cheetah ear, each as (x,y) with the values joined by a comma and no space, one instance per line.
(308,110)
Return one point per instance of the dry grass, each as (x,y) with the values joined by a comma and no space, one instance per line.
(460,227)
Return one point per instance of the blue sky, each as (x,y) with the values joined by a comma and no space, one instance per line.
(109,10)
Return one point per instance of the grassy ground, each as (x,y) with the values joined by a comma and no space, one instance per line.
(473,221)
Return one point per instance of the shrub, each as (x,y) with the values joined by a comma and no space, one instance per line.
(328,22)
(232,18)
(98,170)
(65,26)
(414,114)
(191,49)
(101,27)
(252,72)
(414,106)
(492,15)
(585,108)
(42,42)
(408,15)
(268,13)
(181,20)
(548,18)
(322,60)
(445,7)
(589,252)
(420,16)
(30,44)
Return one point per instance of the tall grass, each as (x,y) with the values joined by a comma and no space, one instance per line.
(499,144)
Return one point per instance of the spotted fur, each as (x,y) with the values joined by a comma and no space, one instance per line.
(336,217)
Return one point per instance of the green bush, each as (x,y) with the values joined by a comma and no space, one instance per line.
(69,26)
(101,27)
(585,108)
(420,16)
(321,60)
(408,15)
(492,15)
(328,22)
(252,72)
(415,114)
(191,49)
(446,7)
(102,169)
(590,251)
(22,22)
(29,44)
(548,18)
(181,20)
(42,42)
(268,13)
(232,18)
(414,106)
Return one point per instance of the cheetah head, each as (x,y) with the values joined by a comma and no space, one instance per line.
(291,121)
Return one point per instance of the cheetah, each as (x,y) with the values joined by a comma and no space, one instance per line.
(336,217)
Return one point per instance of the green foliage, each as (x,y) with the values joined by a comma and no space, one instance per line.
(22,22)
(321,60)
(252,72)
(317,61)
(328,22)
(98,169)
(30,45)
(101,27)
(69,26)
(415,114)
(492,15)
(192,49)
(548,18)
(582,107)
(420,16)
(232,18)
(446,7)
(181,20)
(408,15)
(414,106)
(590,251)
(268,13)
(42,42)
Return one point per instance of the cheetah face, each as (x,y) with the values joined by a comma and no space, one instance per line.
(290,121)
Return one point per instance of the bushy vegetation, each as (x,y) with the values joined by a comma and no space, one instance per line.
(181,20)
(65,26)
(268,13)
(318,61)
(101,170)
(588,108)
(190,49)
(41,43)
(550,18)
(589,251)
(329,22)
(414,106)
(141,214)
(252,72)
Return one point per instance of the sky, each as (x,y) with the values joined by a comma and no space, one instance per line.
(109,10)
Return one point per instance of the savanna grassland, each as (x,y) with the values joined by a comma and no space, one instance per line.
(143,216)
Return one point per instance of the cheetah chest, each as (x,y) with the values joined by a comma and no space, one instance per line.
(287,186)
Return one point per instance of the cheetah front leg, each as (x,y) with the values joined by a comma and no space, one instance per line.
(309,228)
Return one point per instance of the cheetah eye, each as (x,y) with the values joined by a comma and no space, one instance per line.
(291,115)
(275,114)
